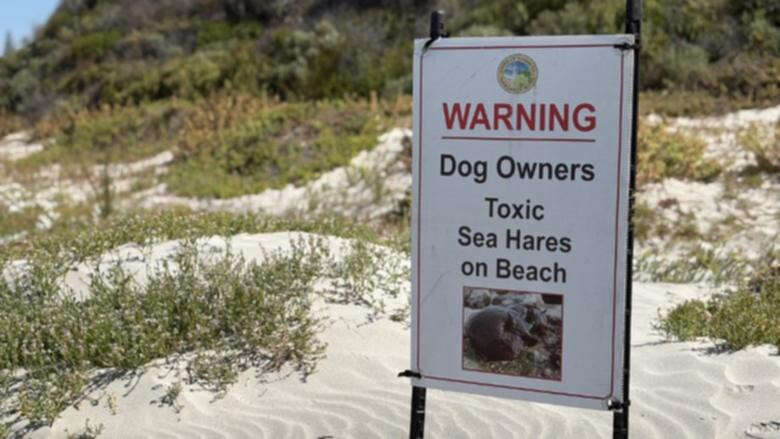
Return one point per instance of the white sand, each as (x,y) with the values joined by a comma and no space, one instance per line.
(51,190)
(755,211)
(17,146)
(721,133)
(678,390)
(748,217)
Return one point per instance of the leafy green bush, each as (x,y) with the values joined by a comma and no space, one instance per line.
(763,145)
(192,77)
(259,313)
(220,31)
(90,137)
(277,146)
(686,321)
(94,46)
(664,154)
(696,264)
(748,315)
(81,241)
(17,221)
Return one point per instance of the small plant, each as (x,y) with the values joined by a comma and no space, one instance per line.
(171,396)
(686,321)
(105,194)
(664,154)
(80,241)
(747,315)
(214,370)
(696,264)
(112,404)
(369,276)
(763,143)
(90,431)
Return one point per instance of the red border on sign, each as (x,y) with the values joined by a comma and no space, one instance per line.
(617,225)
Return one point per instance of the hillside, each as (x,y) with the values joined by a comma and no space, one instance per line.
(120,52)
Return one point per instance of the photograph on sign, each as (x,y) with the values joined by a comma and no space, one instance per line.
(512,332)
(520,216)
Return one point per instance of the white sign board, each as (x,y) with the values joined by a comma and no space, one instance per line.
(520,216)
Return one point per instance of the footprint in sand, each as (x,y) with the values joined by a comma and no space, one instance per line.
(741,389)
(764,430)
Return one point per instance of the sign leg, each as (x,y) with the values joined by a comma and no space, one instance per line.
(620,423)
(417,427)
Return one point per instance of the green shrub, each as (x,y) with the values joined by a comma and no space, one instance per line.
(274,147)
(696,264)
(258,312)
(592,17)
(213,311)
(192,77)
(17,221)
(81,241)
(763,145)
(123,134)
(692,103)
(664,154)
(94,46)
(220,31)
(686,321)
(645,220)
(214,32)
(745,316)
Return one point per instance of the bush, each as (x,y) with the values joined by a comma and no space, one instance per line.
(81,241)
(9,123)
(663,154)
(94,46)
(258,314)
(748,315)
(192,77)
(763,145)
(220,31)
(273,147)
(90,137)
(686,321)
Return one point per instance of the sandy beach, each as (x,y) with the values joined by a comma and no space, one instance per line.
(678,390)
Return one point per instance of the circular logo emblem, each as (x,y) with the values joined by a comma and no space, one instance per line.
(517,73)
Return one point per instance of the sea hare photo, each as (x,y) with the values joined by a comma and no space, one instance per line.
(512,332)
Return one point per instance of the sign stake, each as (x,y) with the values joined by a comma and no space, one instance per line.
(417,417)
(417,427)
(633,26)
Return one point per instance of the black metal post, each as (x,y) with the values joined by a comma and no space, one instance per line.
(417,427)
(417,418)
(633,26)
(437,25)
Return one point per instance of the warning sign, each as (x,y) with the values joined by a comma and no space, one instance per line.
(520,216)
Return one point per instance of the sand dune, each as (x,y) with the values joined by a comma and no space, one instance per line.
(679,390)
